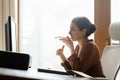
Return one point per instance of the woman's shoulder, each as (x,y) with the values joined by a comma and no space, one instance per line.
(90,43)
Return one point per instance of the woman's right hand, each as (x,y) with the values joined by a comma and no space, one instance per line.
(60,51)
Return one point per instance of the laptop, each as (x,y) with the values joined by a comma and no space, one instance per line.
(52,71)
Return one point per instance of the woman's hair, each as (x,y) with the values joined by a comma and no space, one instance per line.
(84,23)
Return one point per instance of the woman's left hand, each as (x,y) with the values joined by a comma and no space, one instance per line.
(68,42)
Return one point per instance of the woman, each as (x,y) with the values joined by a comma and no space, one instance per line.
(85,57)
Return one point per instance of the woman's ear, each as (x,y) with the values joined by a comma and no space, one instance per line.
(84,31)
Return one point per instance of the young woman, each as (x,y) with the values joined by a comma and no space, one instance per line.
(85,56)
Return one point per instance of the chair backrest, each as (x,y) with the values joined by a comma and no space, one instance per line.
(117,74)
(111,55)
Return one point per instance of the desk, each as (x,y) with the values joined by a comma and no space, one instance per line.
(13,74)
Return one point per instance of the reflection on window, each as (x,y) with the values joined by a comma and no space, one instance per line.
(42,21)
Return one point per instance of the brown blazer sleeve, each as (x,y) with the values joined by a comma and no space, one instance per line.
(67,64)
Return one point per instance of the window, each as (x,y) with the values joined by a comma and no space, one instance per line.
(42,21)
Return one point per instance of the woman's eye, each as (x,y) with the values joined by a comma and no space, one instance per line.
(72,29)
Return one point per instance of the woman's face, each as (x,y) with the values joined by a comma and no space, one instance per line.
(75,33)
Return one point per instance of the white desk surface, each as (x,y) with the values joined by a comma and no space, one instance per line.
(34,75)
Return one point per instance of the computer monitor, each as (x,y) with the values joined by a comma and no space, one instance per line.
(10,35)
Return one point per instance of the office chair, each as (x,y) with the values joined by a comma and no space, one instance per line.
(117,74)
(110,59)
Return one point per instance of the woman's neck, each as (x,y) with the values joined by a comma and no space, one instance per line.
(82,41)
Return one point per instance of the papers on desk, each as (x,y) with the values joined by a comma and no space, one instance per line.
(81,74)
(78,73)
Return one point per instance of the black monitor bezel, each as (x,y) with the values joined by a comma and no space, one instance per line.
(8,35)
